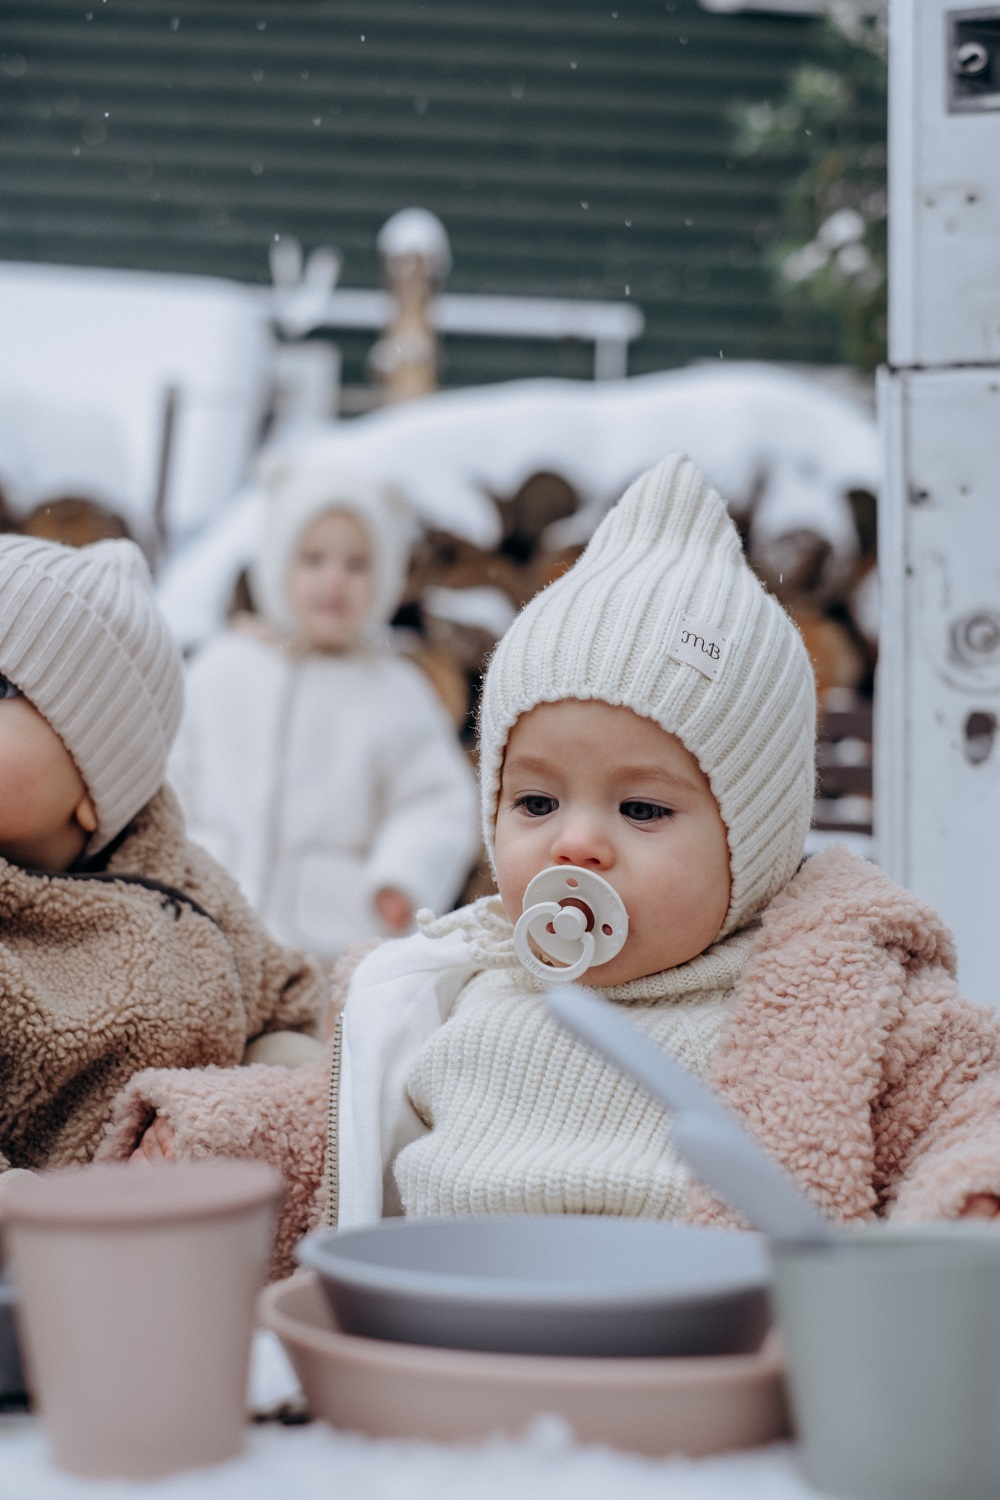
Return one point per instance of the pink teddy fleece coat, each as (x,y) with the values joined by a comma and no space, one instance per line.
(847,1051)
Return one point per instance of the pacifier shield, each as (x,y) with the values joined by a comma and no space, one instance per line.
(575,917)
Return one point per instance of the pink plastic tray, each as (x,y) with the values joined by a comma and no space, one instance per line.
(692,1406)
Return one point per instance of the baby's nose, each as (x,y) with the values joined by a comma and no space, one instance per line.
(583,842)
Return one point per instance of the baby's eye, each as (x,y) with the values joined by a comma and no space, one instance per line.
(643,812)
(8,690)
(536,805)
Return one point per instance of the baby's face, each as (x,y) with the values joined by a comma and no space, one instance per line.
(331,582)
(45,810)
(596,786)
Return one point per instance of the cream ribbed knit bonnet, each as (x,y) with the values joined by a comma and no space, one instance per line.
(662,615)
(296,498)
(83,638)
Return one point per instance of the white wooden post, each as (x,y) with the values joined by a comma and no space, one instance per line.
(938,688)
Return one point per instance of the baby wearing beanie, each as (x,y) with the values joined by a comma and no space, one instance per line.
(315,763)
(122,946)
(648,718)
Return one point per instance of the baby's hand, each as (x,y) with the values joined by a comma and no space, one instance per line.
(393,909)
(157,1143)
(981,1206)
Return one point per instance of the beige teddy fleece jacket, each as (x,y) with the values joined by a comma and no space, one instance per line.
(847,1050)
(154,961)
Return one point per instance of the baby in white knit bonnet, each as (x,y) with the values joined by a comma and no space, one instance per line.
(648,720)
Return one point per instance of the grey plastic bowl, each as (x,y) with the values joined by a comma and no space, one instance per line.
(552,1284)
(11,1374)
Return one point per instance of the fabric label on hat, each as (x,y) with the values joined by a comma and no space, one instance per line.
(700,646)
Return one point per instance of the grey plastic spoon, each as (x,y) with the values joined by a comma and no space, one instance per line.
(707,1136)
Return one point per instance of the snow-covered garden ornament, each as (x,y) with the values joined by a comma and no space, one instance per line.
(416,257)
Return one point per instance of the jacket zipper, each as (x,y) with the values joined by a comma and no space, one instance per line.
(331,1213)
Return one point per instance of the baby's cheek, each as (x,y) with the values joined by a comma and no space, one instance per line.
(672,919)
(30,781)
(511,895)
(511,881)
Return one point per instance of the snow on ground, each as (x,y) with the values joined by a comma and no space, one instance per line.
(89,358)
(49,448)
(764,436)
(316,1463)
(195,587)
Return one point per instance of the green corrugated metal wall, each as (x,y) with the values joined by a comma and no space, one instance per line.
(571,147)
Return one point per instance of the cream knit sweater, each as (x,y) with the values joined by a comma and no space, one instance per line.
(523,1118)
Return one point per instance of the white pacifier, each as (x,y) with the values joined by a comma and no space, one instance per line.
(577,920)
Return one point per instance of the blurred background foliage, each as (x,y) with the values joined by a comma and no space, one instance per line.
(831,254)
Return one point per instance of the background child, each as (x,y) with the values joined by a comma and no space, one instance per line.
(121,945)
(649,717)
(318,766)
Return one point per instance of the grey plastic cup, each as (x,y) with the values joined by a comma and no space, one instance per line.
(893,1341)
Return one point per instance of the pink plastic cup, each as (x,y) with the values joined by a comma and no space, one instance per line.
(137,1291)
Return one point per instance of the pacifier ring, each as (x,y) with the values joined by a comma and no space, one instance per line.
(575,918)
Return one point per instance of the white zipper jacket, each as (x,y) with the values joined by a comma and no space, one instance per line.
(319,779)
(399,996)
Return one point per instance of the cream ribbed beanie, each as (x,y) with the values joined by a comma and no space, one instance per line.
(296,498)
(663,615)
(82,636)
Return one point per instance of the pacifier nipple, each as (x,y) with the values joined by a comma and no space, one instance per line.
(575,918)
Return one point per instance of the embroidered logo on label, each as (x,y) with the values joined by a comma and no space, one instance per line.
(699,646)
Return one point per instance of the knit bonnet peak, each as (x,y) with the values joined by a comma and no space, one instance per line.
(662,614)
(83,638)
